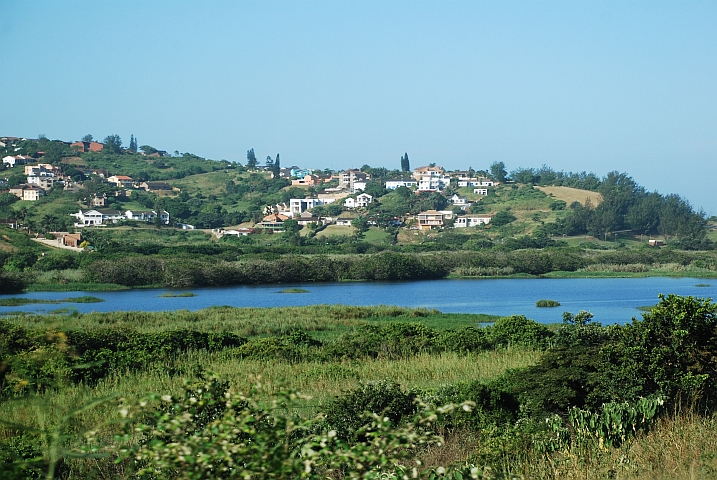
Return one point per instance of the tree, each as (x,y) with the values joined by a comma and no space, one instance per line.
(87,138)
(251,162)
(405,164)
(360,224)
(132,144)
(277,167)
(270,163)
(113,143)
(498,172)
(149,150)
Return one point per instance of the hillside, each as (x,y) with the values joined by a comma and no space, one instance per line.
(570,195)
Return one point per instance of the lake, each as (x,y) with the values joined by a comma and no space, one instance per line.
(611,300)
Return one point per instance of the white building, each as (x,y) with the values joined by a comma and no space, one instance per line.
(361,201)
(394,184)
(299,205)
(480,191)
(147,216)
(12,160)
(433,183)
(97,217)
(475,182)
(472,221)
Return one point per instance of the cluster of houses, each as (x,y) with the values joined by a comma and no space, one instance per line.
(98,217)
(349,192)
(352,181)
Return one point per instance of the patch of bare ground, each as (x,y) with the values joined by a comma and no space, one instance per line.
(570,195)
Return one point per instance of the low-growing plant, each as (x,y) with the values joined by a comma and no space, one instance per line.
(547,303)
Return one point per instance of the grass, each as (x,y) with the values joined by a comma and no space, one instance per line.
(377,236)
(177,294)
(547,303)
(570,195)
(338,230)
(18,301)
(294,290)
(75,287)
(324,321)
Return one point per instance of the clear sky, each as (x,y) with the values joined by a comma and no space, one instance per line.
(597,86)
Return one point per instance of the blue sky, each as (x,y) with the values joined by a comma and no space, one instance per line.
(596,86)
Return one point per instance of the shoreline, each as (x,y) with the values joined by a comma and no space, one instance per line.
(101,287)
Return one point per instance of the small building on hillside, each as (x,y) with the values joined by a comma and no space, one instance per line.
(82,147)
(12,160)
(27,192)
(273,222)
(472,221)
(394,184)
(121,181)
(96,217)
(431,219)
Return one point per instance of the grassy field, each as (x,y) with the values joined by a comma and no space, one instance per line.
(338,230)
(570,195)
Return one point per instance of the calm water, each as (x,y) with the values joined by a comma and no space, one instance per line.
(611,300)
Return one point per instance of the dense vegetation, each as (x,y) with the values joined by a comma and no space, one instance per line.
(584,391)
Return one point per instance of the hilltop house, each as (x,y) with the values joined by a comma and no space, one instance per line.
(27,192)
(273,222)
(394,184)
(361,201)
(82,147)
(299,205)
(348,178)
(472,221)
(460,201)
(97,217)
(428,171)
(431,219)
(147,216)
(12,160)
(121,181)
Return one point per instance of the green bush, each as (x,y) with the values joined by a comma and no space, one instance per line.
(519,330)
(346,414)
(547,303)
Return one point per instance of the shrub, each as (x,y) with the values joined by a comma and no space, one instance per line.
(547,303)
(345,414)
(519,330)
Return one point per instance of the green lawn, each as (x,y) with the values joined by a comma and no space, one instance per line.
(377,236)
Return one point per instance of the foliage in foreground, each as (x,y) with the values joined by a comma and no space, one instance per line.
(594,391)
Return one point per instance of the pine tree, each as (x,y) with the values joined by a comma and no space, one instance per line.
(132,144)
(251,162)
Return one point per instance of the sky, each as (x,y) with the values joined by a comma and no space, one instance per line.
(576,85)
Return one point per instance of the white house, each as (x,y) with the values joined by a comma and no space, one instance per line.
(459,201)
(428,171)
(361,201)
(344,222)
(359,186)
(475,182)
(147,216)
(121,181)
(394,184)
(433,183)
(12,160)
(97,217)
(472,221)
(299,205)
(480,191)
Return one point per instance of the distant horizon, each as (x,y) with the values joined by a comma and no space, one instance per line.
(583,86)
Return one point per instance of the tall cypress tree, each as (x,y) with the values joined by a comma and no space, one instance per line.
(277,167)
(251,159)
(405,164)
